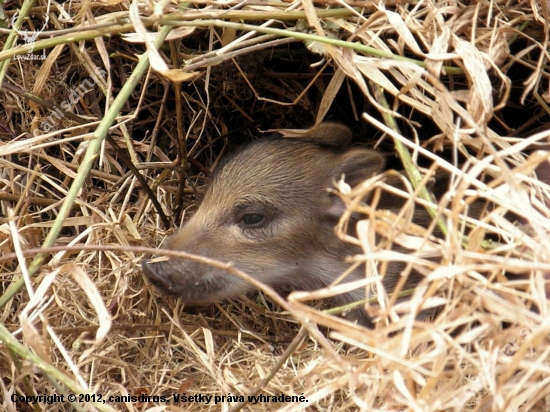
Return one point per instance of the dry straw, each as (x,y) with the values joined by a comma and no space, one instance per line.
(107,91)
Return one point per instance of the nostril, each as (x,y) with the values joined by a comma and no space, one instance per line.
(155,274)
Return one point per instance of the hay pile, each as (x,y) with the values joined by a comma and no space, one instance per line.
(460,88)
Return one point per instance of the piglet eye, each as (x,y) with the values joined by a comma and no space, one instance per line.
(253,220)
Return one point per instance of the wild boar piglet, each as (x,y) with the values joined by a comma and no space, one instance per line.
(269,210)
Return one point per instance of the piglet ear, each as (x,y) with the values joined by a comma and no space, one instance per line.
(331,135)
(354,166)
(358,165)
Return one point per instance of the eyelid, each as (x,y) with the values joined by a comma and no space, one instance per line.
(253,208)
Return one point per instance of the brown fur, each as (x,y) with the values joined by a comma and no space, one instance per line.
(295,248)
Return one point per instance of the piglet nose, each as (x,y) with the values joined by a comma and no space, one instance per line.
(156,275)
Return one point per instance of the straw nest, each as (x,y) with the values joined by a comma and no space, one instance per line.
(442,87)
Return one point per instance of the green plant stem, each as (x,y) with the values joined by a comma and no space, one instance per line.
(301,36)
(89,158)
(411,169)
(49,370)
(50,43)
(27,5)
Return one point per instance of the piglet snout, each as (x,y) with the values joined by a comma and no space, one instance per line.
(156,274)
